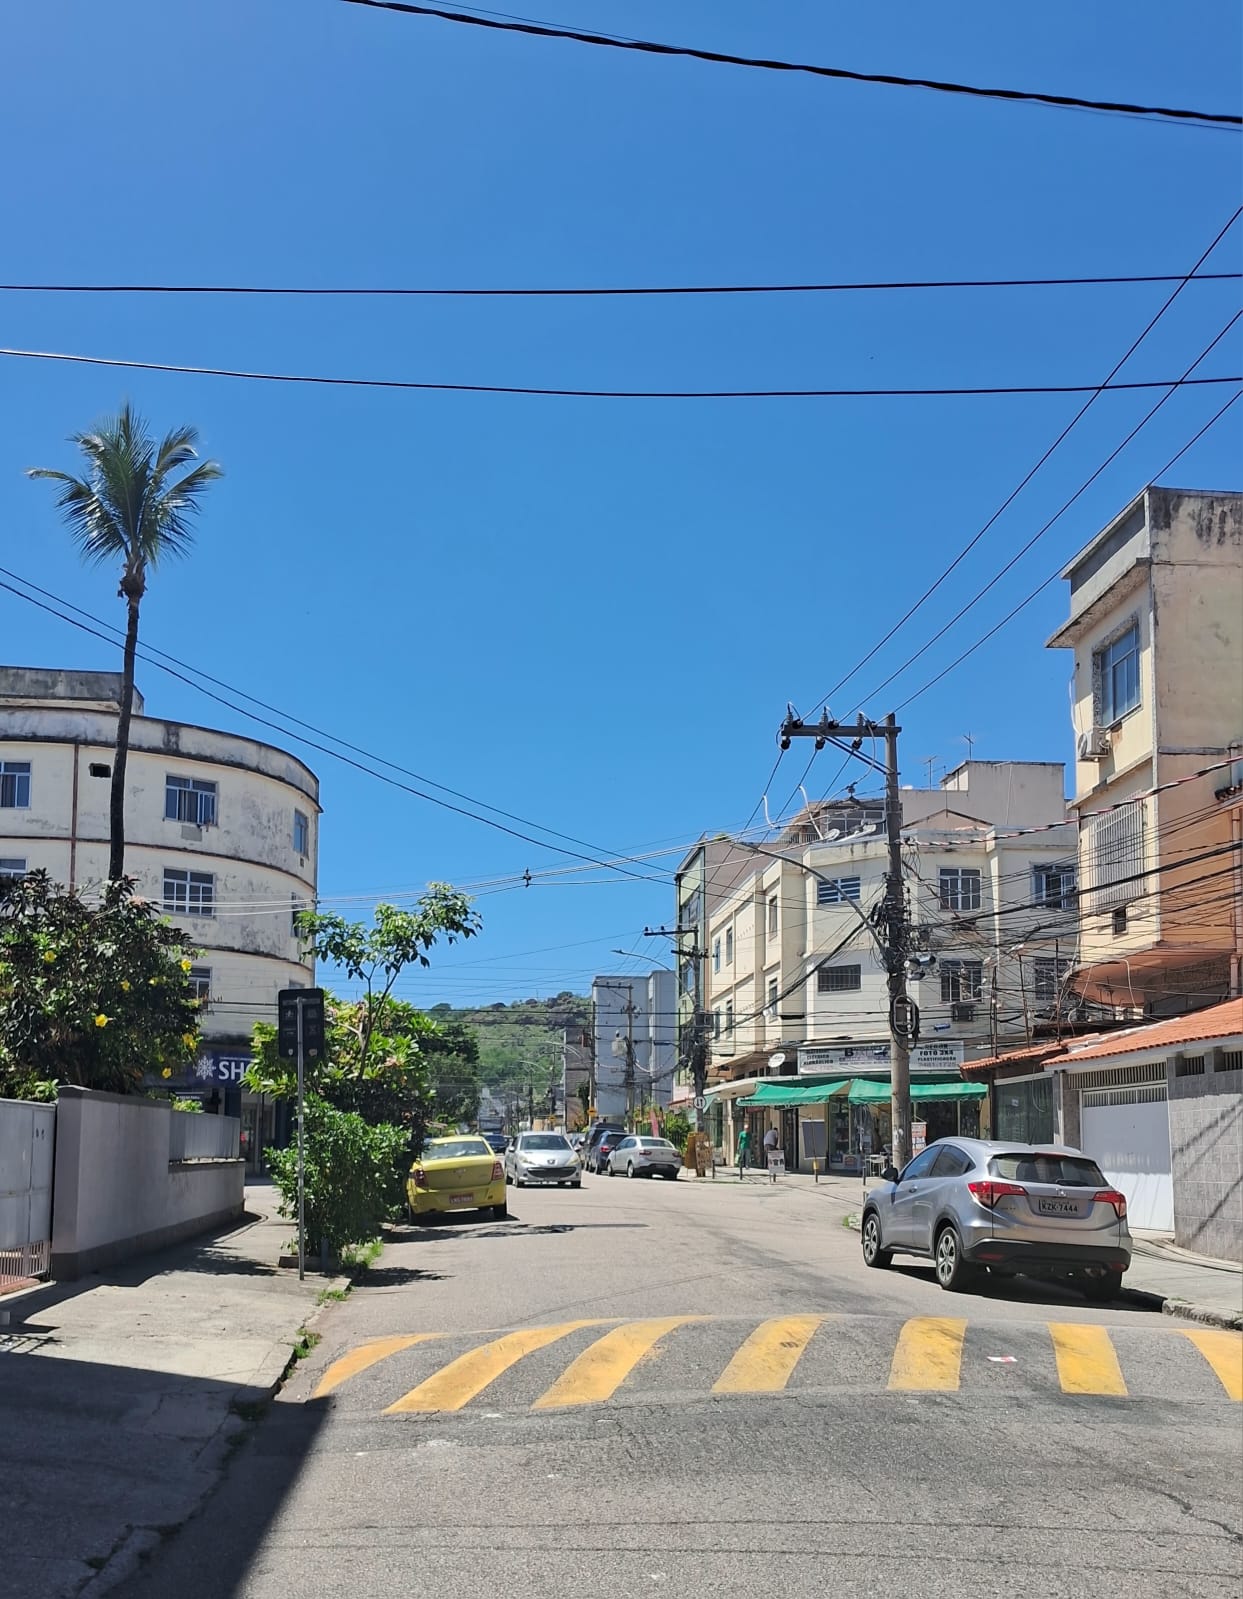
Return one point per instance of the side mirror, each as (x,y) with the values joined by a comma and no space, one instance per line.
(890,1174)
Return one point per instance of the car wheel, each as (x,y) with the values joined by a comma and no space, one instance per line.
(873,1254)
(577,1183)
(630,1168)
(1104,1288)
(953,1272)
(517,1180)
(500,1213)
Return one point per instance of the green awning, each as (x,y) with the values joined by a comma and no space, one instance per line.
(793,1093)
(865,1092)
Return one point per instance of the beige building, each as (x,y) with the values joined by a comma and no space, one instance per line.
(796,982)
(1156,626)
(221,830)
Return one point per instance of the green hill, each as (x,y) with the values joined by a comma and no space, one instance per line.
(520,1043)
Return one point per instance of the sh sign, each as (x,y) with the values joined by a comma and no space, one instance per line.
(217,1066)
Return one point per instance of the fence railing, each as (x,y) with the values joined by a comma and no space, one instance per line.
(27,1138)
(196,1136)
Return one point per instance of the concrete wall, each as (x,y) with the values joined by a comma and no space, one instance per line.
(117,1195)
(1206,1152)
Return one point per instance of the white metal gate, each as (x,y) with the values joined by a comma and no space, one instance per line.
(1126,1131)
(27,1135)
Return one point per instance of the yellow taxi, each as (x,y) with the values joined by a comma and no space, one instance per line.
(460,1173)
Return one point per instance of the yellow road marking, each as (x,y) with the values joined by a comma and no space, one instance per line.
(600,1370)
(366,1355)
(929,1354)
(765,1362)
(458,1383)
(1086,1360)
(1224,1353)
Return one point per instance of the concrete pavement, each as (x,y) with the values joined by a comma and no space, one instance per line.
(123,1394)
(643,1385)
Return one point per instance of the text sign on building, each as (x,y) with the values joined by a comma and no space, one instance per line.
(936,1055)
(221,1066)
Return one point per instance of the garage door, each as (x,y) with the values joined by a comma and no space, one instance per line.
(1127,1133)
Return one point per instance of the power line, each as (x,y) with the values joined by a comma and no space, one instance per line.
(534,390)
(1049,452)
(615,291)
(723,58)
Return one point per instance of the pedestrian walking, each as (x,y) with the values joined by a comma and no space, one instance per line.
(744,1149)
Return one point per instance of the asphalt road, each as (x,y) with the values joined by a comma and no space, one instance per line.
(700,1387)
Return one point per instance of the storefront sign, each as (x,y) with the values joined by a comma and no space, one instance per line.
(221,1066)
(935,1055)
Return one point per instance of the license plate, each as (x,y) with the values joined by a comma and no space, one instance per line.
(461,1199)
(1058,1207)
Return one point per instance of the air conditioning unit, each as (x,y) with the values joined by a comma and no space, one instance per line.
(962,1013)
(1094,744)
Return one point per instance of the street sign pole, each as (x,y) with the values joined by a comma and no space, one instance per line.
(301,1152)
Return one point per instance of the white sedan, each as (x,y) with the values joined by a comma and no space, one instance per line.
(644,1157)
(542,1158)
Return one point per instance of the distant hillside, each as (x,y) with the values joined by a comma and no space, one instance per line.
(521,1042)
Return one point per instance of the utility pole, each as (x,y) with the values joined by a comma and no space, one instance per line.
(903,1015)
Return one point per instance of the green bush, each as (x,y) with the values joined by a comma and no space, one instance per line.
(349,1176)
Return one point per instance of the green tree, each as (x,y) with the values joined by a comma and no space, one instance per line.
(347,1177)
(94,995)
(452,1055)
(135,505)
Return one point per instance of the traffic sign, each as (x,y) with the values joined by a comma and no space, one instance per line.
(310,1001)
(701,1101)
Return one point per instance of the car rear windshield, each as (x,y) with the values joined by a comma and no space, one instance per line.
(545,1141)
(457,1149)
(1070,1171)
(656,1143)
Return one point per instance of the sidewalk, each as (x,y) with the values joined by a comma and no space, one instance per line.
(1161,1275)
(122,1395)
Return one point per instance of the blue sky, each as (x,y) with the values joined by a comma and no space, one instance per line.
(592,613)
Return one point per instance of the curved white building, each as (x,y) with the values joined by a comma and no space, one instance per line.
(221,830)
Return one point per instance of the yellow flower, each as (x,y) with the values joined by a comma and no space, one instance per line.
(189,1040)
(101,1020)
(185,966)
(167,1072)
(125,985)
(49,955)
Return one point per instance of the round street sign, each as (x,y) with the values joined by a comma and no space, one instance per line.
(700,1101)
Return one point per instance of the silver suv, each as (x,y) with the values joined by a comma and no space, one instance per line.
(969,1204)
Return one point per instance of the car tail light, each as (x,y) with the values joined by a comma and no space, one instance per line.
(498,1171)
(419,1177)
(1111,1196)
(988,1190)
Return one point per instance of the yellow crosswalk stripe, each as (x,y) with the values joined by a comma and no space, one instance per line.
(366,1355)
(462,1379)
(766,1361)
(1224,1353)
(601,1369)
(929,1354)
(1086,1360)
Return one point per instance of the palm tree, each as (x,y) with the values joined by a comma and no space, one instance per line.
(132,507)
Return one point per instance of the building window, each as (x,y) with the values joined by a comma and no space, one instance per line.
(1115,670)
(960,888)
(1054,886)
(188,800)
(1114,855)
(301,834)
(296,908)
(716,1022)
(961,980)
(1050,974)
(833,890)
(1189,1066)
(772,917)
(716,954)
(15,785)
(200,985)
(1230,1060)
(729,946)
(12,866)
(839,979)
(189,893)
(1119,920)
(772,998)
(729,1017)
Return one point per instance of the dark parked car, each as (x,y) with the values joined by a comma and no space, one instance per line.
(497,1141)
(601,1143)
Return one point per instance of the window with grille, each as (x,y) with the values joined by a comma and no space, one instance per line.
(961,981)
(960,888)
(187,799)
(839,979)
(1054,886)
(200,985)
(1189,1066)
(833,890)
(12,866)
(189,893)
(1114,854)
(1230,1060)
(15,785)
(1116,676)
(1049,976)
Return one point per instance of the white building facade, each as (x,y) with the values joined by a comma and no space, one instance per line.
(634,1042)
(221,831)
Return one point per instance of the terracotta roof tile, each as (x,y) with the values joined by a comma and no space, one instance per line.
(1218,1021)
